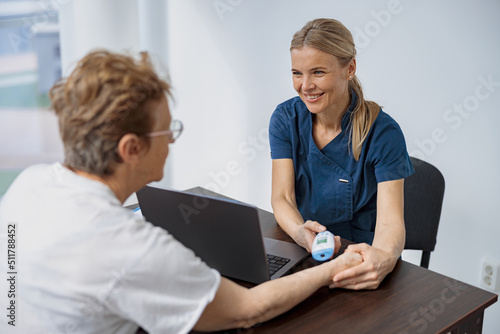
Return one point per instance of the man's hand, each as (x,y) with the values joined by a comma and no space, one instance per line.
(344,262)
(377,263)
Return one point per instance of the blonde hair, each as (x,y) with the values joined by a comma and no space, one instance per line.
(331,36)
(105,97)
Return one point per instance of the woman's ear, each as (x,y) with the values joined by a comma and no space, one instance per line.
(131,148)
(351,68)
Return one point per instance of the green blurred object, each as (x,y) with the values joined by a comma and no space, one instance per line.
(20,90)
(6,179)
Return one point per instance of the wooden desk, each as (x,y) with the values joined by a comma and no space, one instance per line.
(410,300)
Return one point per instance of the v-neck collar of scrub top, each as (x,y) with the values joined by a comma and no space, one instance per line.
(344,125)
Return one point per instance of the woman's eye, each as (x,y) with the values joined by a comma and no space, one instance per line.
(295,73)
(319,72)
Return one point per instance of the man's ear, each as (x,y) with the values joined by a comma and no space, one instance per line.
(131,148)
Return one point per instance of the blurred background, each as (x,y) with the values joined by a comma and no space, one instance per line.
(433,65)
(30,63)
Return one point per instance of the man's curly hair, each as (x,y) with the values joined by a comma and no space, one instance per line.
(104,98)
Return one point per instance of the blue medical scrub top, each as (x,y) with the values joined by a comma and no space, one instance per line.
(331,187)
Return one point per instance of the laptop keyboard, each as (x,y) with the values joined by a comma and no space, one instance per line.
(275,263)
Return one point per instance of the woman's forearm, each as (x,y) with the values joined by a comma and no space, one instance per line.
(287,215)
(390,237)
(390,227)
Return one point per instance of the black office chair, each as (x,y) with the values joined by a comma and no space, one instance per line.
(423,195)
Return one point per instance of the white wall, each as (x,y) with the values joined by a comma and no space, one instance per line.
(421,60)
(89,24)
(117,25)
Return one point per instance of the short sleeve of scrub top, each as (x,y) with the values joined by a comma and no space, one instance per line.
(331,187)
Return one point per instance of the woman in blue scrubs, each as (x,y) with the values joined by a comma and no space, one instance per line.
(339,161)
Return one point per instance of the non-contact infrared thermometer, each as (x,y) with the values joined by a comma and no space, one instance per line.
(323,246)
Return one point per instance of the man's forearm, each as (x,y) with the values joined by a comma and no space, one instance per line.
(278,296)
(235,306)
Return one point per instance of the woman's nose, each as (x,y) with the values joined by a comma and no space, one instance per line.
(307,83)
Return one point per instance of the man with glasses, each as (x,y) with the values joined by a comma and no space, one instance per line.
(88,265)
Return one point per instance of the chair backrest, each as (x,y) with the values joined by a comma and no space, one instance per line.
(423,195)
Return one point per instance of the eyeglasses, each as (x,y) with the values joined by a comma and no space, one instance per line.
(174,132)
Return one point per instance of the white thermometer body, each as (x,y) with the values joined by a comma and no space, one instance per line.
(323,246)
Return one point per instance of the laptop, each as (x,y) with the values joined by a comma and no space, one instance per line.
(224,233)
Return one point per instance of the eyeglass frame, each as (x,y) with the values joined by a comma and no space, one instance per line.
(174,134)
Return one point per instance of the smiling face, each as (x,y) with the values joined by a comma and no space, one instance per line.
(321,82)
